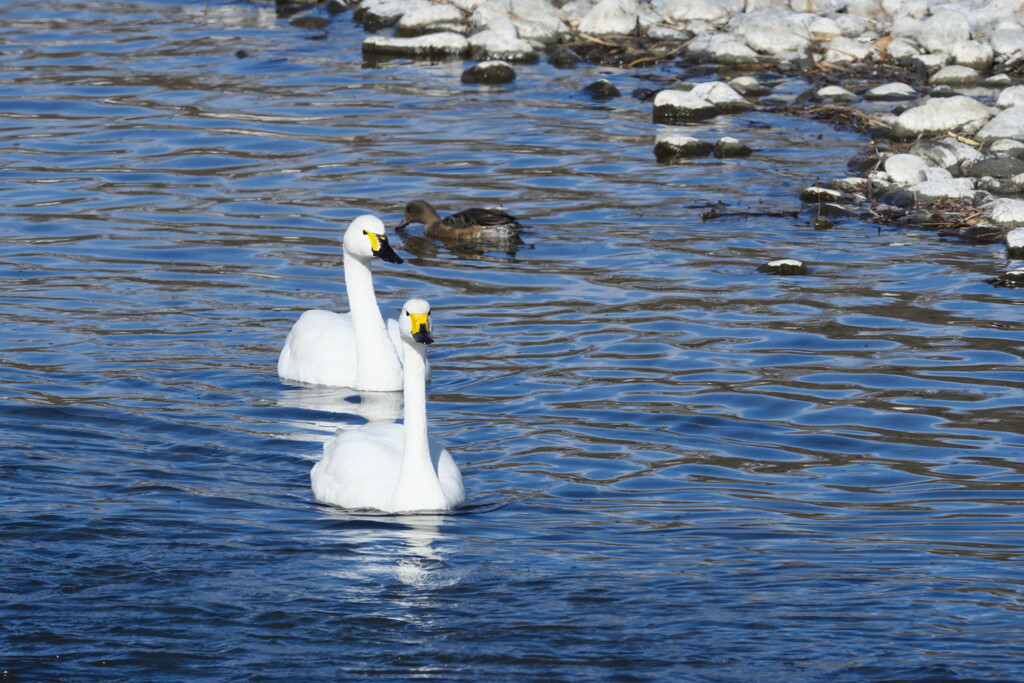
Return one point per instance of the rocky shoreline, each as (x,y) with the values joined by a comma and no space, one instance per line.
(937,88)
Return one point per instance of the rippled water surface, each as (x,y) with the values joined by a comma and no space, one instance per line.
(678,468)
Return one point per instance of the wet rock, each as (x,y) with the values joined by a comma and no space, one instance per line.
(943,91)
(1007,212)
(851,185)
(430,45)
(822,223)
(672,146)
(835,210)
(335,7)
(954,75)
(833,93)
(679,106)
(721,96)
(931,191)
(1011,278)
(786,266)
(973,53)
(1011,97)
(891,92)
(957,114)
(564,57)
(947,153)
(731,147)
(610,17)
(241,54)
(906,169)
(1015,243)
(494,72)
(749,86)
(1008,123)
(995,81)
(377,14)
(602,89)
(943,29)
(996,167)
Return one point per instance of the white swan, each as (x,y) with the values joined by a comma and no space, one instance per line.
(394,467)
(354,349)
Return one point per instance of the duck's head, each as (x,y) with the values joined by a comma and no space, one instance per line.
(415,321)
(418,211)
(365,238)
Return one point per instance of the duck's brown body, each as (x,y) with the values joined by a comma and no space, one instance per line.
(464,226)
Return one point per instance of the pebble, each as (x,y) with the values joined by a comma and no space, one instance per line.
(834,93)
(731,147)
(891,91)
(1007,212)
(489,73)
(671,146)
(1008,123)
(939,116)
(1015,243)
(430,45)
(681,106)
(954,75)
(602,89)
(906,169)
(722,96)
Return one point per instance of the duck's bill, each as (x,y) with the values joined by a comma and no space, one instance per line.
(402,225)
(385,252)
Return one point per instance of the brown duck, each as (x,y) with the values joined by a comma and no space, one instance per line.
(464,226)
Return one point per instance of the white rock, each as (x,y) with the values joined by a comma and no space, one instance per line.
(934,190)
(672,106)
(500,40)
(1007,212)
(1008,123)
(1011,97)
(715,13)
(914,9)
(466,5)
(610,17)
(775,32)
(851,25)
(901,49)
(754,5)
(824,29)
(891,91)
(822,7)
(1006,146)
(533,19)
(429,45)
(748,85)
(869,9)
(954,75)
(937,173)
(729,50)
(934,60)
(946,153)
(428,15)
(943,29)
(973,53)
(669,146)
(836,94)
(387,12)
(722,96)
(906,169)
(958,113)
(1007,42)
(1015,239)
(844,50)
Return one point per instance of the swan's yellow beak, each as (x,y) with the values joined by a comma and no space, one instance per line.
(381,249)
(420,327)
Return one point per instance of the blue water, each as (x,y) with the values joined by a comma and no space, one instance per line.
(677,468)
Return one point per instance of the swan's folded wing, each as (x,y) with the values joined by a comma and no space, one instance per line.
(320,350)
(359,467)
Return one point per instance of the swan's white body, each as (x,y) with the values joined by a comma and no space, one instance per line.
(353,349)
(393,467)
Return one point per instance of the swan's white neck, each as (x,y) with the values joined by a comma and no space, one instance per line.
(418,487)
(378,368)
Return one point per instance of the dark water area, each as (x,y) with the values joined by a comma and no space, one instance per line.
(677,468)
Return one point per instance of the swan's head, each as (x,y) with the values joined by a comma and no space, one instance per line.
(415,321)
(365,238)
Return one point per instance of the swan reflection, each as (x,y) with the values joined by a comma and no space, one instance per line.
(334,408)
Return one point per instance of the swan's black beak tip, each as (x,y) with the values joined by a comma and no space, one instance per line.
(386,253)
(423,337)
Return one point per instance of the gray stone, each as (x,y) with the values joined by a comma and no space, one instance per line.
(973,53)
(946,153)
(845,50)
(1015,243)
(950,114)
(715,13)
(421,17)
(823,29)
(1008,123)
(1007,42)
(501,41)
(749,86)
(786,266)
(931,191)
(602,89)
(833,93)
(533,19)
(996,167)
(775,32)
